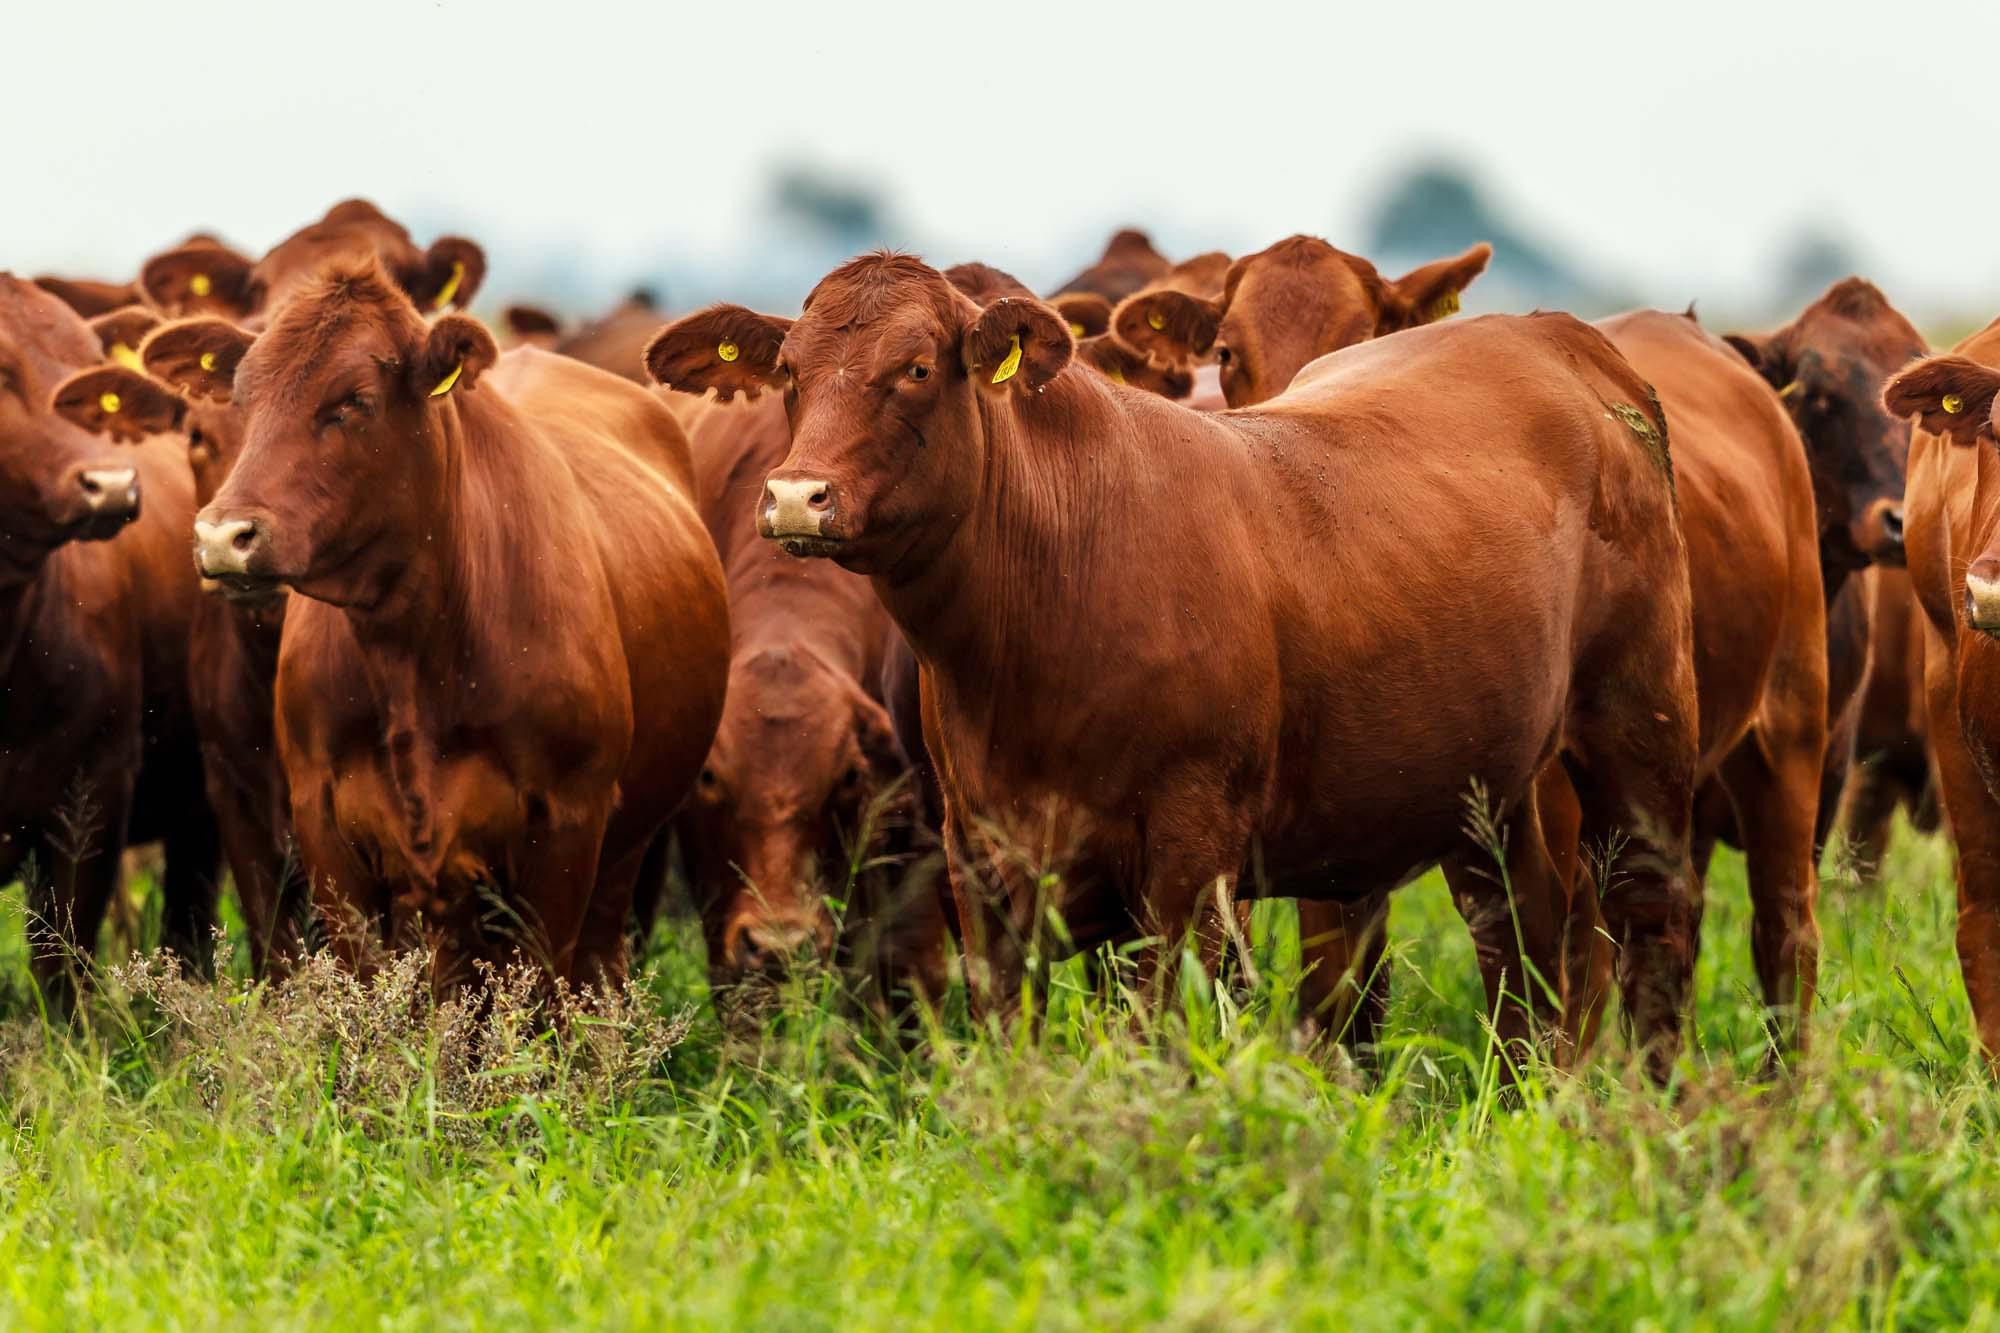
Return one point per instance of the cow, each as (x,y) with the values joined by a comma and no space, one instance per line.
(1829,366)
(97,746)
(508,643)
(1951,528)
(806,790)
(1286,305)
(233,639)
(614,341)
(1128,263)
(1892,753)
(1275,677)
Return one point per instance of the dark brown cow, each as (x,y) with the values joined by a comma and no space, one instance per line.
(1139,679)
(1287,305)
(510,651)
(1829,366)
(1128,263)
(1952,526)
(1892,751)
(806,790)
(96,740)
(614,341)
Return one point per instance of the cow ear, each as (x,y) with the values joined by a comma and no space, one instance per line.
(1167,324)
(121,331)
(200,278)
(532,325)
(1430,293)
(457,351)
(1948,395)
(1016,341)
(1766,353)
(119,402)
(88,297)
(1088,313)
(197,356)
(448,276)
(1118,362)
(725,348)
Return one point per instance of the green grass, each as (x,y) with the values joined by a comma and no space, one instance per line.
(1209,1175)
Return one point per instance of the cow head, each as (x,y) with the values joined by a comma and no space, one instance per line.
(888,374)
(58,481)
(800,795)
(1288,305)
(205,277)
(346,406)
(1128,263)
(1958,400)
(1829,366)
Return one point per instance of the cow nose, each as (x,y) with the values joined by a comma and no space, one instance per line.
(797,508)
(1982,594)
(226,548)
(1881,535)
(109,491)
(769,946)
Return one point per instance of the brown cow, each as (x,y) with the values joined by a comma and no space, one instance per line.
(96,741)
(1952,525)
(806,789)
(1147,702)
(510,651)
(1128,263)
(1829,366)
(1287,305)
(1892,752)
(614,341)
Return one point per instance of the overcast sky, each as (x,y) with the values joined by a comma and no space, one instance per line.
(1676,151)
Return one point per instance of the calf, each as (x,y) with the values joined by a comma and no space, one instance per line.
(510,647)
(96,740)
(1289,687)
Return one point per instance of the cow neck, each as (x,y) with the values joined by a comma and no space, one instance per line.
(1018,565)
(23,596)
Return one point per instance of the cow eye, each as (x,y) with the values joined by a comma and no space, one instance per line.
(708,781)
(1222,353)
(851,780)
(919,371)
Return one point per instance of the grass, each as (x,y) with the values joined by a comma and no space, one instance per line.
(231,1167)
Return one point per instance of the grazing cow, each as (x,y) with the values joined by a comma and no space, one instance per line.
(1952,526)
(233,640)
(806,789)
(97,745)
(1128,263)
(1287,305)
(1293,690)
(615,341)
(509,651)
(1829,366)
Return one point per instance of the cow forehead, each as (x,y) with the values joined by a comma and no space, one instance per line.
(324,332)
(817,347)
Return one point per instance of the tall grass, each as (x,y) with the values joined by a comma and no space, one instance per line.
(202,1157)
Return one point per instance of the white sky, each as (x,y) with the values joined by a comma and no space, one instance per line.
(1674,146)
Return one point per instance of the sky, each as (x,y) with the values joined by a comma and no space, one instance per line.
(1675,148)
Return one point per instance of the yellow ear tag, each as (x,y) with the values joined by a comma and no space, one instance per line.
(208,361)
(450,288)
(1953,404)
(1075,329)
(444,385)
(727,351)
(1011,364)
(122,354)
(109,401)
(1156,321)
(1789,390)
(1444,306)
(1117,376)
(200,285)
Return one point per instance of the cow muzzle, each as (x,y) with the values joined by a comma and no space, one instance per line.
(1879,534)
(97,502)
(1982,595)
(798,514)
(232,555)
(772,946)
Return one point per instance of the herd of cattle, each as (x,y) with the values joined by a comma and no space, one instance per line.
(1192,583)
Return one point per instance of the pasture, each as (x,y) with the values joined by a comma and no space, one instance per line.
(234,1157)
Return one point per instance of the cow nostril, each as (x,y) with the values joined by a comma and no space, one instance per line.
(1892,525)
(91,486)
(245,538)
(820,497)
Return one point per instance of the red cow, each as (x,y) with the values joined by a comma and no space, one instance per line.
(1283,677)
(614,341)
(1128,263)
(512,642)
(96,741)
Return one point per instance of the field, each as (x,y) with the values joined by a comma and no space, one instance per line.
(197,1157)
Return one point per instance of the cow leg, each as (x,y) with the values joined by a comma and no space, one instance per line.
(1974,817)
(1344,985)
(601,953)
(1195,848)
(191,886)
(1515,912)
(1774,779)
(1586,986)
(351,904)
(555,891)
(77,861)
